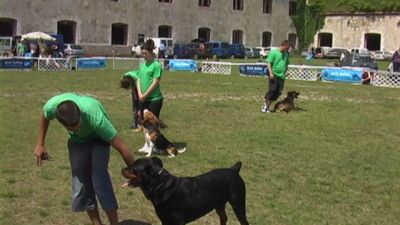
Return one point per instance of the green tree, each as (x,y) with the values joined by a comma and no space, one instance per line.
(308,20)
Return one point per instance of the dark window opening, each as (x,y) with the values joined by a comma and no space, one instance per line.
(237,37)
(238,5)
(166,1)
(325,39)
(8,27)
(119,34)
(266,39)
(67,29)
(204,3)
(165,31)
(204,34)
(372,42)
(267,6)
(292,8)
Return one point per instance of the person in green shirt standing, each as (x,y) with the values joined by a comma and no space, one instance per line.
(277,62)
(128,82)
(20,48)
(91,134)
(148,85)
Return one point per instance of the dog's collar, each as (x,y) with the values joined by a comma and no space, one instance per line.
(161,170)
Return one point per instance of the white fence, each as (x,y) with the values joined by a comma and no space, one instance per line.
(295,72)
(216,67)
(126,63)
(54,64)
(386,79)
(308,73)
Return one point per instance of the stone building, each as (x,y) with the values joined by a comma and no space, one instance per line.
(374,31)
(102,25)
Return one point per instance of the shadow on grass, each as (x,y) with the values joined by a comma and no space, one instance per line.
(133,222)
(180,145)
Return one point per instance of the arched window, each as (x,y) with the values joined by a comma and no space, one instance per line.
(266,39)
(8,27)
(165,31)
(237,37)
(204,33)
(119,34)
(67,29)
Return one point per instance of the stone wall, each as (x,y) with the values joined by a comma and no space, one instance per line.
(349,30)
(94,19)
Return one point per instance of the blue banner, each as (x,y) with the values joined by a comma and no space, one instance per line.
(342,75)
(16,63)
(91,63)
(182,65)
(253,70)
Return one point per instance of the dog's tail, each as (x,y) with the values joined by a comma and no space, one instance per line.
(182,150)
(237,166)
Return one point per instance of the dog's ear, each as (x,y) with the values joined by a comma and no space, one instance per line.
(127,173)
(157,161)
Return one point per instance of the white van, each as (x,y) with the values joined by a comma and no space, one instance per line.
(361,51)
(321,52)
(168,43)
(6,46)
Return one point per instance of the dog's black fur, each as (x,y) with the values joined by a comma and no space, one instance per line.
(180,200)
(287,104)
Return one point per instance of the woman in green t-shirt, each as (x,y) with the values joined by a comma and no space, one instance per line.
(148,84)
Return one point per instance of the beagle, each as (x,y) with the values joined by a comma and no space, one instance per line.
(155,141)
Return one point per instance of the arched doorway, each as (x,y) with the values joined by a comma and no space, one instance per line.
(8,27)
(67,29)
(325,39)
(372,41)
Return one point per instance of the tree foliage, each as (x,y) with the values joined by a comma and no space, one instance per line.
(308,20)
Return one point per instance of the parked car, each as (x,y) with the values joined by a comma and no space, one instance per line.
(237,51)
(382,55)
(263,51)
(74,51)
(6,46)
(220,49)
(251,53)
(183,51)
(362,51)
(359,60)
(336,53)
(321,52)
(202,49)
(304,52)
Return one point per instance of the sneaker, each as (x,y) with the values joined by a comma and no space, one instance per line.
(265,109)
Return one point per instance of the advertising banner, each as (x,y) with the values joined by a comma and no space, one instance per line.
(342,75)
(182,65)
(18,63)
(91,63)
(253,70)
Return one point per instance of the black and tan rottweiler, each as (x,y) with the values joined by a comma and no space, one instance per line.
(181,200)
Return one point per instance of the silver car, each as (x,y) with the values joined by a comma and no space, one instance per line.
(73,51)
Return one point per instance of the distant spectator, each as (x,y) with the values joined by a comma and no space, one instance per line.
(54,48)
(162,50)
(396,61)
(366,77)
(20,48)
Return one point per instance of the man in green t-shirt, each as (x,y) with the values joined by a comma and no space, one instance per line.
(91,134)
(277,62)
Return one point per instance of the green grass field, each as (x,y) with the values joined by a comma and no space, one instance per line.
(335,162)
